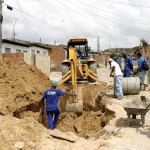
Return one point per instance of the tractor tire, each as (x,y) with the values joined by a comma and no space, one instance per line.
(93,68)
(65,69)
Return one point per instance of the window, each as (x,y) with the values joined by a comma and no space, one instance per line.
(25,51)
(7,50)
(38,52)
(18,50)
(44,53)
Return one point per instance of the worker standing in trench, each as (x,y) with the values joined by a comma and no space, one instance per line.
(128,66)
(52,109)
(117,74)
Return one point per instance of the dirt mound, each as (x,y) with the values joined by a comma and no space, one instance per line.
(21,84)
(23,132)
(28,134)
(94,118)
(95,115)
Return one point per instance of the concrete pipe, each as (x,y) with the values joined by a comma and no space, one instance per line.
(131,85)
(78,106)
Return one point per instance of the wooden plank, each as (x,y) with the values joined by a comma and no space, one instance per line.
(63,137)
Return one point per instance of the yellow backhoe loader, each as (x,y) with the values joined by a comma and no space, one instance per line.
(78,67)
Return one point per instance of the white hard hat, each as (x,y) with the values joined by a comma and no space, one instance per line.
(110,60)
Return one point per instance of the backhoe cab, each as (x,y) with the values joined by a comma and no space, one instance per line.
(78,65)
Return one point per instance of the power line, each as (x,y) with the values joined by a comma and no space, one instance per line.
(127,4)
(143,21)
(44,22)
(100,17)
(109,19)
(26,19)
(83,15)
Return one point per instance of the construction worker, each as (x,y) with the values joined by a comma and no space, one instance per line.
(117,74)
(80,54)
(128,66)
(142,73)
(52,109)
(117,61)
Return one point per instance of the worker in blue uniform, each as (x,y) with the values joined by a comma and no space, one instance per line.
(80,54)
(52,109)
(128,66)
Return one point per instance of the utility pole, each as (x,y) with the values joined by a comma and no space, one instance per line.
(13,33)
(98,45)
(109,48)
(1,20)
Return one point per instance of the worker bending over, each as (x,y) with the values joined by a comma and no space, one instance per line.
(117,74)
(52,109)
(128,66)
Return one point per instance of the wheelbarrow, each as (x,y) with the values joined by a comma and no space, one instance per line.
(136,108)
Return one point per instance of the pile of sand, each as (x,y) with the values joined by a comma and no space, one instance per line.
(20,84)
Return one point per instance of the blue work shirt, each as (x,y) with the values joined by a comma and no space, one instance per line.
(80,53)
(141,62)
(128,62)
(52,96)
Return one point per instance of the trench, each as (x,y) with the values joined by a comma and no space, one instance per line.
(89,124)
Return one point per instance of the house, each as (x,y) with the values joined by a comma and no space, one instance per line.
(20,46)
(31,53)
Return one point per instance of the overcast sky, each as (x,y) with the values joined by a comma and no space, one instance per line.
(120,24)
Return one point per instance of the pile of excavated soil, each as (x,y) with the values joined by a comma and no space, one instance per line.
(28,134)
(88,93)
(94,118)
(20,134)
(21,84)
(95,115)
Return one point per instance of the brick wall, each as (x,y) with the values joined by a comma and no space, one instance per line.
(101,59)
(16,57)
(57,56)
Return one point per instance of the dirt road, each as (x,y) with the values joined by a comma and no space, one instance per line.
(117,135)
(123,137)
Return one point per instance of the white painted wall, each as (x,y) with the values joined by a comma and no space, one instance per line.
(41,50)
(14,49)
(43,63)
(28,59)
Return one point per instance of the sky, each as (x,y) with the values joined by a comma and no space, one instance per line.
(117,23)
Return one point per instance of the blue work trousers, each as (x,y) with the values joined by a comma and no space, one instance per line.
(118,86)
(53,117)
(127,73)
